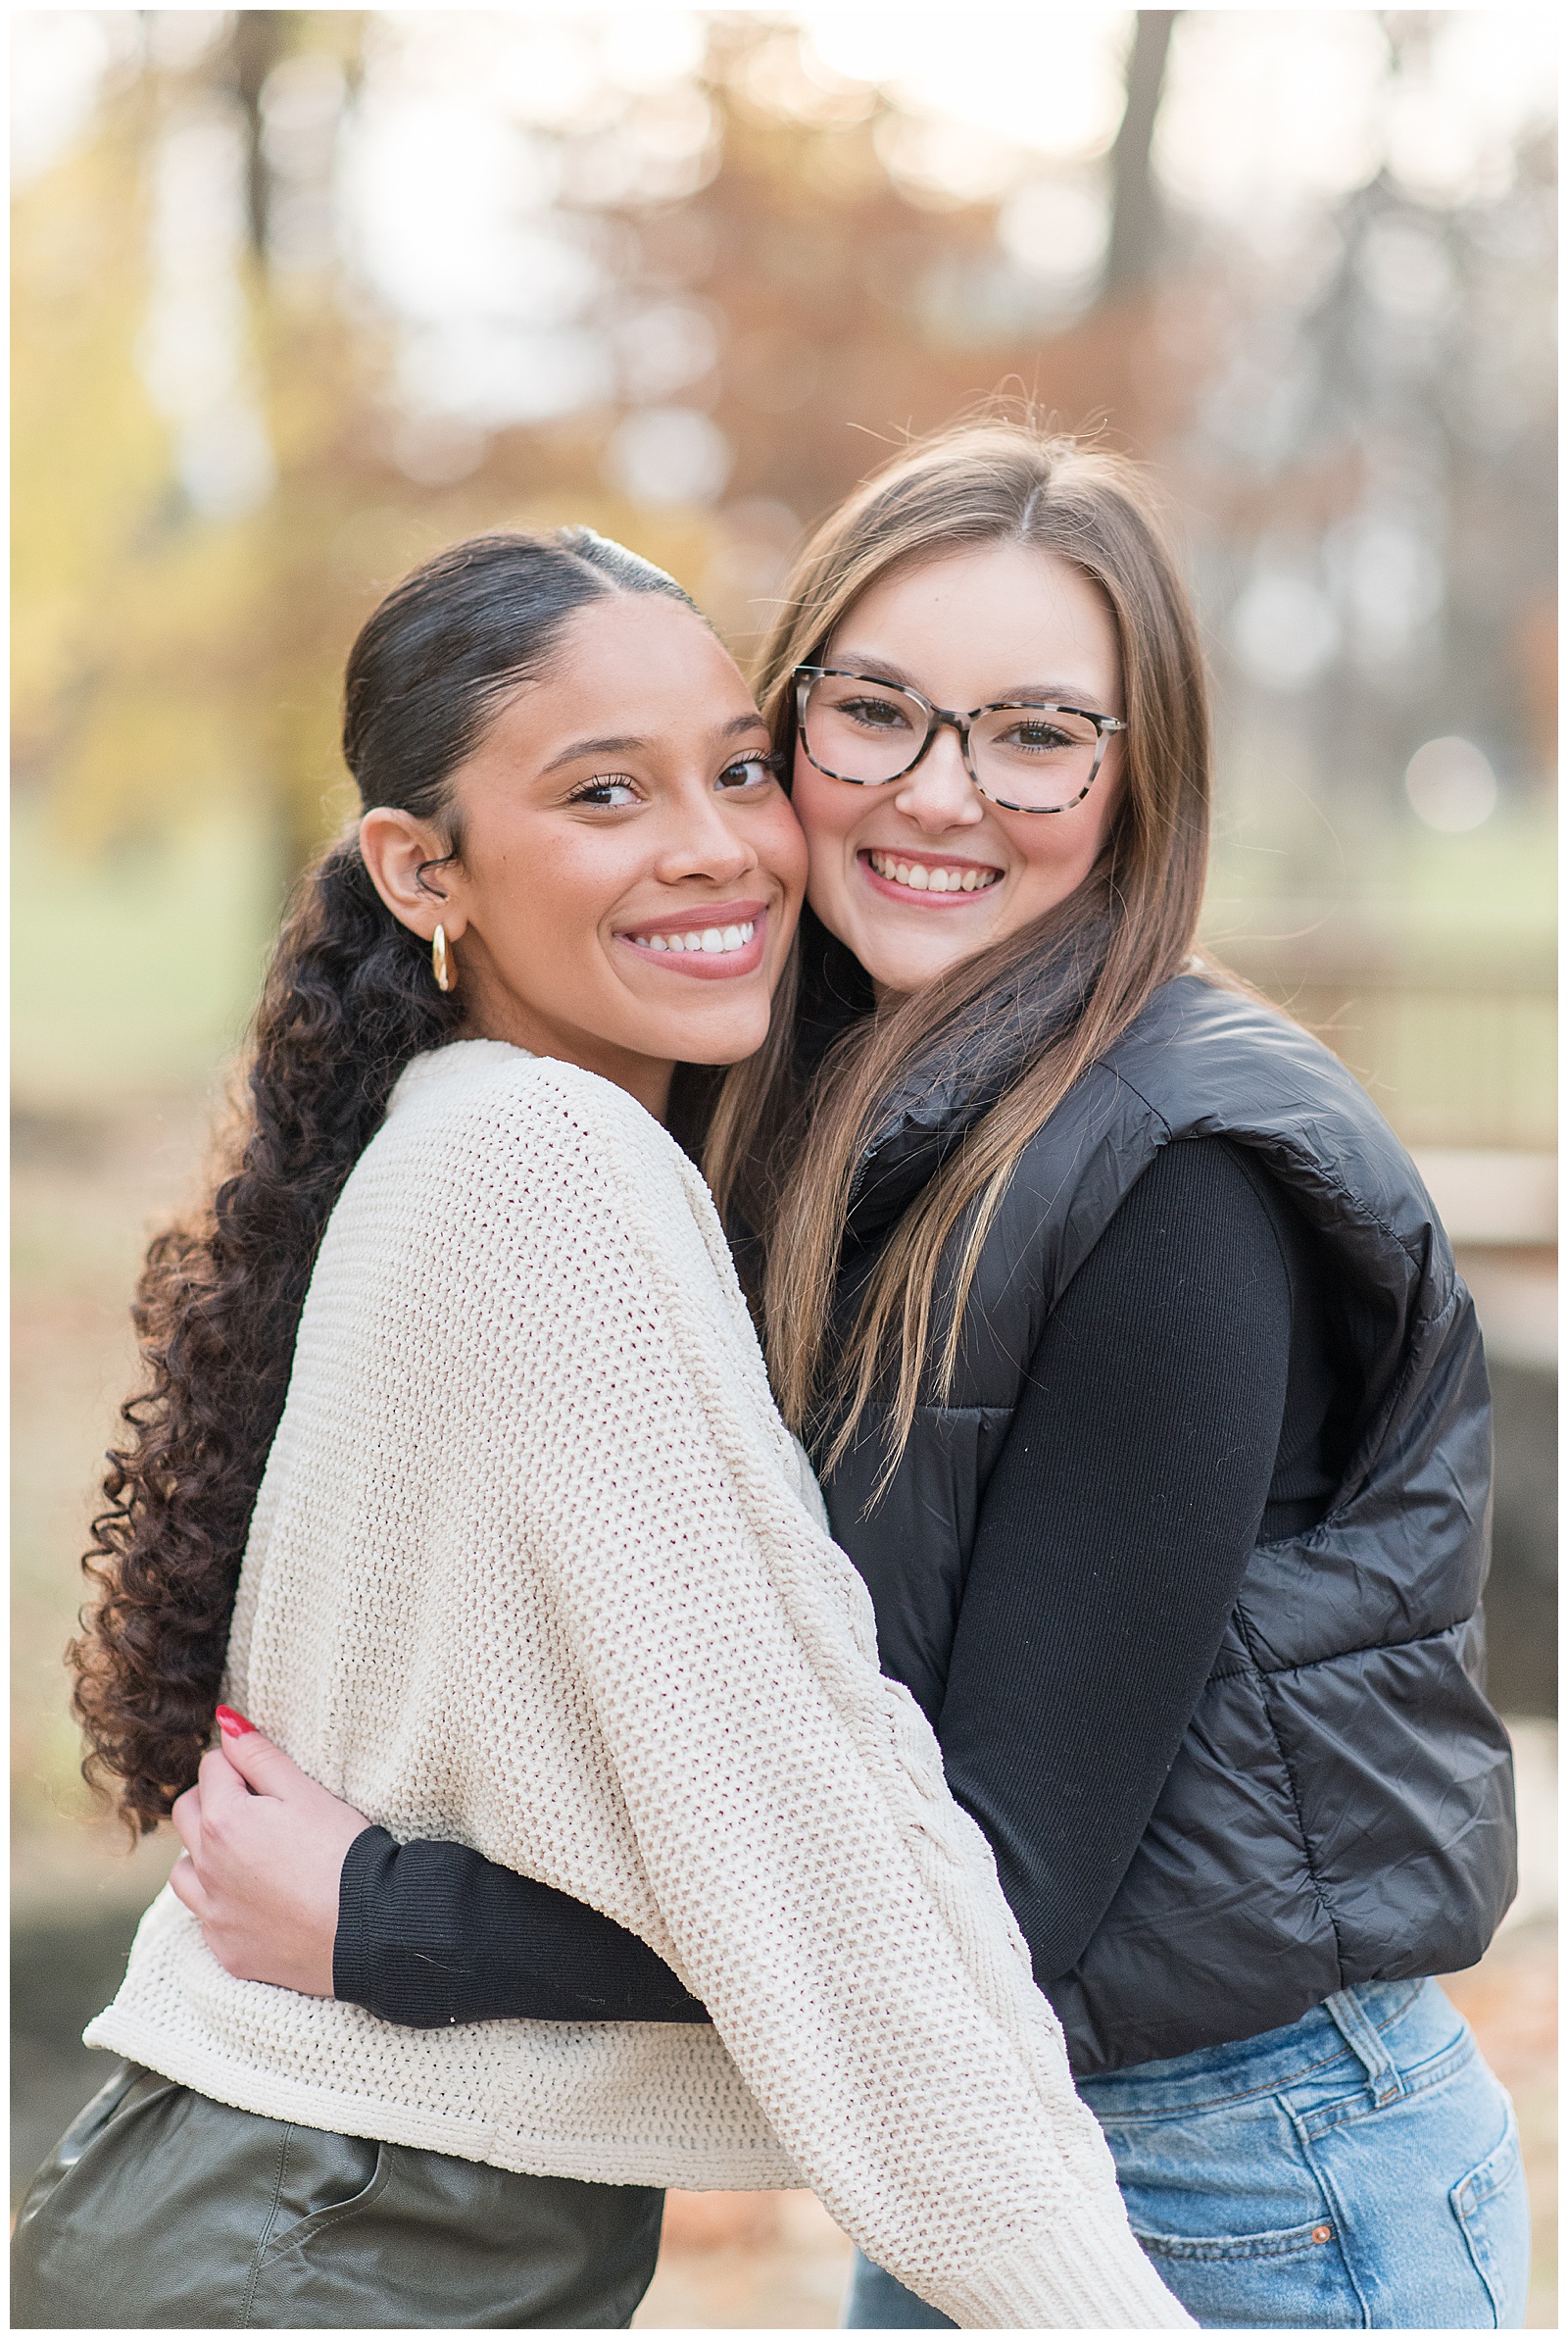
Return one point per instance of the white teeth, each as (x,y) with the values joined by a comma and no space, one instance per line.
(921,879)
(711,939)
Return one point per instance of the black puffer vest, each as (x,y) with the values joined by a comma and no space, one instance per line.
(1340,1809)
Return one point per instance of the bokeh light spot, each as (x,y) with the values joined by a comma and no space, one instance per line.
(1452,785)
(669,455)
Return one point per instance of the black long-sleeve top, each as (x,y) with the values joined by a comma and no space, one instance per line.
(1184,1403)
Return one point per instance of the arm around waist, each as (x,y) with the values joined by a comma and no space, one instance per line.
(801,1866)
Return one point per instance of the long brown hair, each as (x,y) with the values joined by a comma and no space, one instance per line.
(349,1000)
(785,1145)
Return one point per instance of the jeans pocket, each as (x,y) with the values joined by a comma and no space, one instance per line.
(1289,2277)
(1492,2209)
(1231,2249)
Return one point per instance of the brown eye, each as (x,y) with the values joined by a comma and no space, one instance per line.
(748,774)
(610,794)
(874,713)
(1040,737)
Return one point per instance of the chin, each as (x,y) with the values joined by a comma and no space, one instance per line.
(728,1041)
(904,973)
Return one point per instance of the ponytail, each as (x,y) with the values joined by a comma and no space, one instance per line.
(349,1000)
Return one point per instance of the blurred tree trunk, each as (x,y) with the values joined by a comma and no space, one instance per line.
(1135,219)
(261,36)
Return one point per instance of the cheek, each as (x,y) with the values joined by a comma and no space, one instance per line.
(782,847)
(541,898)
(1057,852)
(826,809)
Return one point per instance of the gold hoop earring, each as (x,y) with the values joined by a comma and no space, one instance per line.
(441,965)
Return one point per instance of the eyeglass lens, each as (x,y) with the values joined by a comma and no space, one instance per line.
(1037,757)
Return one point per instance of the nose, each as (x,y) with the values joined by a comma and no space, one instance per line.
(704,840)
(939,794)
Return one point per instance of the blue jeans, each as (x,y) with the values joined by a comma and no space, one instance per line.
(1357,2170)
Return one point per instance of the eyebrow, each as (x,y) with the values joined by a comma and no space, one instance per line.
(888,670)
(630,743)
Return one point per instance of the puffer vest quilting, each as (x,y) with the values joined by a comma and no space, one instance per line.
(1341,1808)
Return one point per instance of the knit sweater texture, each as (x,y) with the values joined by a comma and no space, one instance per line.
(536,1565)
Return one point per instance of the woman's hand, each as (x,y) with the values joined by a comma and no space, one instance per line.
(264,1852)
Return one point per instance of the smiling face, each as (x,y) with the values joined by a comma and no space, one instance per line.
(921,872)
(631,871)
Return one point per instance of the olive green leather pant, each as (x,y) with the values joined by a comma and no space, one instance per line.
(159,2209)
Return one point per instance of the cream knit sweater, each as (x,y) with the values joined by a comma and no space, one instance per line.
(536,1566)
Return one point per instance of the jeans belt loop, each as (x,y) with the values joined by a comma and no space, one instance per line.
(1367,2044)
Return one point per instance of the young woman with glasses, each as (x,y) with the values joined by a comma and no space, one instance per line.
(533,1561)
(1144,1397)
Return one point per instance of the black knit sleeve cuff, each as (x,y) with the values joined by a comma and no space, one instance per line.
(366,1874)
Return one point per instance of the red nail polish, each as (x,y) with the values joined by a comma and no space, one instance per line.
(232,1724)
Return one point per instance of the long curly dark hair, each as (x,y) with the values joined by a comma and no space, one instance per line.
(349,1000)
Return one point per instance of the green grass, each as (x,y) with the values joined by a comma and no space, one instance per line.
(133,972)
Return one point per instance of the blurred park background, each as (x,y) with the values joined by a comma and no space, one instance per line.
(299,295)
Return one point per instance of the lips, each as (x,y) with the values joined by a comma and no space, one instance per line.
(712,944)
(930,879)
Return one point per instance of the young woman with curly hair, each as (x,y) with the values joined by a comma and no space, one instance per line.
(457,1466)
(1146,1399)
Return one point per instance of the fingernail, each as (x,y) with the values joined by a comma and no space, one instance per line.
(232,1724)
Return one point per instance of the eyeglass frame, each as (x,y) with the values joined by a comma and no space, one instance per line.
(1105,726)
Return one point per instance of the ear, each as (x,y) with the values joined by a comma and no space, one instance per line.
(396,847)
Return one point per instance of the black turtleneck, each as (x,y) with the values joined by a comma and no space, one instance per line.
(1181,1406)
